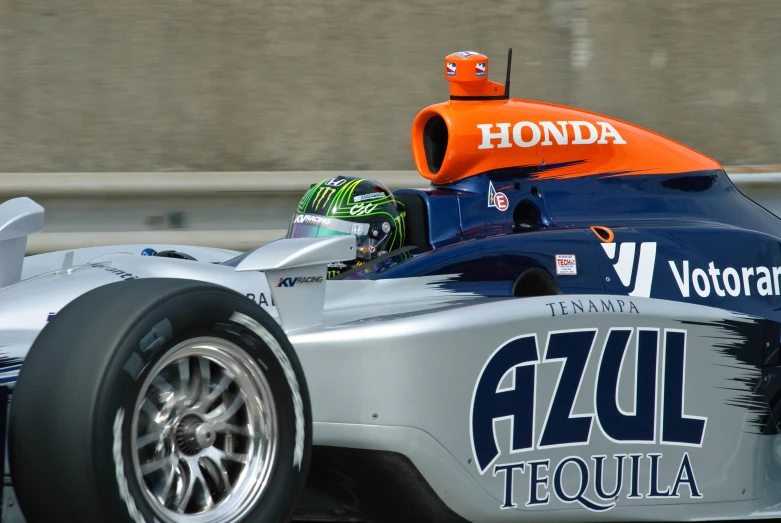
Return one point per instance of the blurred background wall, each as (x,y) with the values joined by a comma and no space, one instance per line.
(212,85)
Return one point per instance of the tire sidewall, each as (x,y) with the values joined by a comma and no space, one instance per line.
(150,339)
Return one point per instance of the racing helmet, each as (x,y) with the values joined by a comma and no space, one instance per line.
(350,205)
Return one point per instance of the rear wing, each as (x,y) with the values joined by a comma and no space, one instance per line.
(19,218)
(296,270)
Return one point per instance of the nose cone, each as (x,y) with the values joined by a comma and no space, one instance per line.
(28,304)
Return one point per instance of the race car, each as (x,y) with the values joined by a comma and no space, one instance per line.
(582,324)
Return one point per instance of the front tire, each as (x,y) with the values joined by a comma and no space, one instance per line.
(160,400)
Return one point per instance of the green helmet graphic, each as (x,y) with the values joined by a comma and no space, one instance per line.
(348,205)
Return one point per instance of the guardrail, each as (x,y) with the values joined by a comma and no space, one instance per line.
(184,183)
(232,210)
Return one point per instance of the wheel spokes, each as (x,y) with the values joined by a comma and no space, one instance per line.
(155,465)
(196,442)
(189,480)
(152,437)
(212,463)
(168,483)
(204,368)
(223,413)
(208,397)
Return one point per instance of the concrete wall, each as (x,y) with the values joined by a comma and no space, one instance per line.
(145,85)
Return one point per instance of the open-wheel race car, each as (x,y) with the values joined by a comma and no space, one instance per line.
(579,322)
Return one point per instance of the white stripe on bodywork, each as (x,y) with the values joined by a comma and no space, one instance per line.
(645,270)
(625,263)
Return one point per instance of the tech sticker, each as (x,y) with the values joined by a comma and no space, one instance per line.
(566,264)
(451,69)
(480,69)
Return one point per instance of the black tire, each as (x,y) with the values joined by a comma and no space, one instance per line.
(89,364)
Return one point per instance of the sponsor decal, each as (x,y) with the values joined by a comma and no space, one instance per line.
(300,280)
(122,274)
(335,182)
(582,133)
(148,252)
(497,199)
(50,316)
(370,196)
(546,479)
(639,280)
(451,69)
(726,281)
(692,281)
(261,299)
(363,208)
(566,264)
(563,308)
(507,391)
(313,219)
(322,197)
(480,69)
(501,202)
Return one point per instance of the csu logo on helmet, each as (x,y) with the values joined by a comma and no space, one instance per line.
(583,133)
(360,209)
(568,414)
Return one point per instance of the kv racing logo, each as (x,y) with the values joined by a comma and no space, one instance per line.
(313,219)
(583,133)
(290,282)
(628,261)
(507,390)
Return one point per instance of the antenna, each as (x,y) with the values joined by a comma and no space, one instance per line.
(507,80)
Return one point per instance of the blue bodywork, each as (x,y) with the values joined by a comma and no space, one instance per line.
(713,245)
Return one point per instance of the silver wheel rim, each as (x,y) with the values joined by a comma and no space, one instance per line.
(204,433)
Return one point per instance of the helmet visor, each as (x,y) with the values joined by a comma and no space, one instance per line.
(316,226)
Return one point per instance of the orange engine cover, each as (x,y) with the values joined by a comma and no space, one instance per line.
(460,138)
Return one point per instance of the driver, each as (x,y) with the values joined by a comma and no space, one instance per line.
(348,205)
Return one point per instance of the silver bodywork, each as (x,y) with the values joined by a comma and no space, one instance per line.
(403,365)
